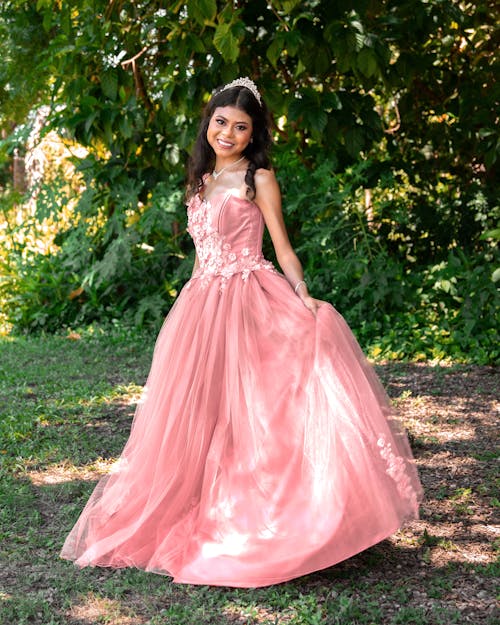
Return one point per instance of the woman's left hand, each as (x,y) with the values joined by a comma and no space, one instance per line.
(311,303)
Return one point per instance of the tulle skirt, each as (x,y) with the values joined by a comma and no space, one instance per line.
(263,447)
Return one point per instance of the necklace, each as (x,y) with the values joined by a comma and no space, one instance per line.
(216,174)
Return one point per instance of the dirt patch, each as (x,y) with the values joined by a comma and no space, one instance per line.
(452,415)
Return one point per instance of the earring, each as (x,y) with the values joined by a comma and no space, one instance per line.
(251,139)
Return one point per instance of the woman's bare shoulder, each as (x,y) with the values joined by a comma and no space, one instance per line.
(268,195)
(265,178)
(265,174)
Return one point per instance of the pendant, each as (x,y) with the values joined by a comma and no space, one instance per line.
(216,174)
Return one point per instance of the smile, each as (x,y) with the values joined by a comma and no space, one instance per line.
(225,144)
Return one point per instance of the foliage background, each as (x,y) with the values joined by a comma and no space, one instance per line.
(386,131)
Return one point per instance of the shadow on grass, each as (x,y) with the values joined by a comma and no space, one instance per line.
(69,423)
(371,587)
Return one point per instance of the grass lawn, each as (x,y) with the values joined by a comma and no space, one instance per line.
(66,406)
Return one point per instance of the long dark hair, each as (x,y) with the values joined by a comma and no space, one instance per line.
(202,159)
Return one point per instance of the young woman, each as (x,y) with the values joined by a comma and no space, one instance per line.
(264,446)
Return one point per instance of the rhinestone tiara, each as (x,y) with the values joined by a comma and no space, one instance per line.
(244,82)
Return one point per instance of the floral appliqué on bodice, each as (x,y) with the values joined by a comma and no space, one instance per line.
(228,238)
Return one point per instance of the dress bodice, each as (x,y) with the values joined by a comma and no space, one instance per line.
(227,232)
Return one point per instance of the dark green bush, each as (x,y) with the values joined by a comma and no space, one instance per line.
(398,305)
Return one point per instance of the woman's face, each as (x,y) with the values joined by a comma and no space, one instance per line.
(229,132)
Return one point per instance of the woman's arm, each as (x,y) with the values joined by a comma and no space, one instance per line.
(268,199)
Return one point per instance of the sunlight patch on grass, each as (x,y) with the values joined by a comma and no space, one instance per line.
(445,545)
(93,609)
(258,613)
(461,435)
(472,553)
(67,472)
(124,395)
(488,530)
(4,596)
(441,431)
(404,537)
(442,459)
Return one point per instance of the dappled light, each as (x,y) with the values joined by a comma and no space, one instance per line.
(63,473)
(94,609)
(441,566)
(237,612)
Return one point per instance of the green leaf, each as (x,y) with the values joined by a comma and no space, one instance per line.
(122,93)
(311,111)
(359,40)
(125,128)
(88,101)
(357,25)
(89,121)
(202,10)
(167,95)
(226,43)
(47,21)
(316,119)
(332,101)
(333,31)
(65,20)
(354,140)
(195,43)
(107,118)
(316,58)
(274,51)
(491,234)
(367,62)
(289,5)
(293,41)
(109,84)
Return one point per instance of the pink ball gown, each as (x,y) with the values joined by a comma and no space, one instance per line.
(263,447)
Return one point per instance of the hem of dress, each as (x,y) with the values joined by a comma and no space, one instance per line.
(271,581)
(262,583)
